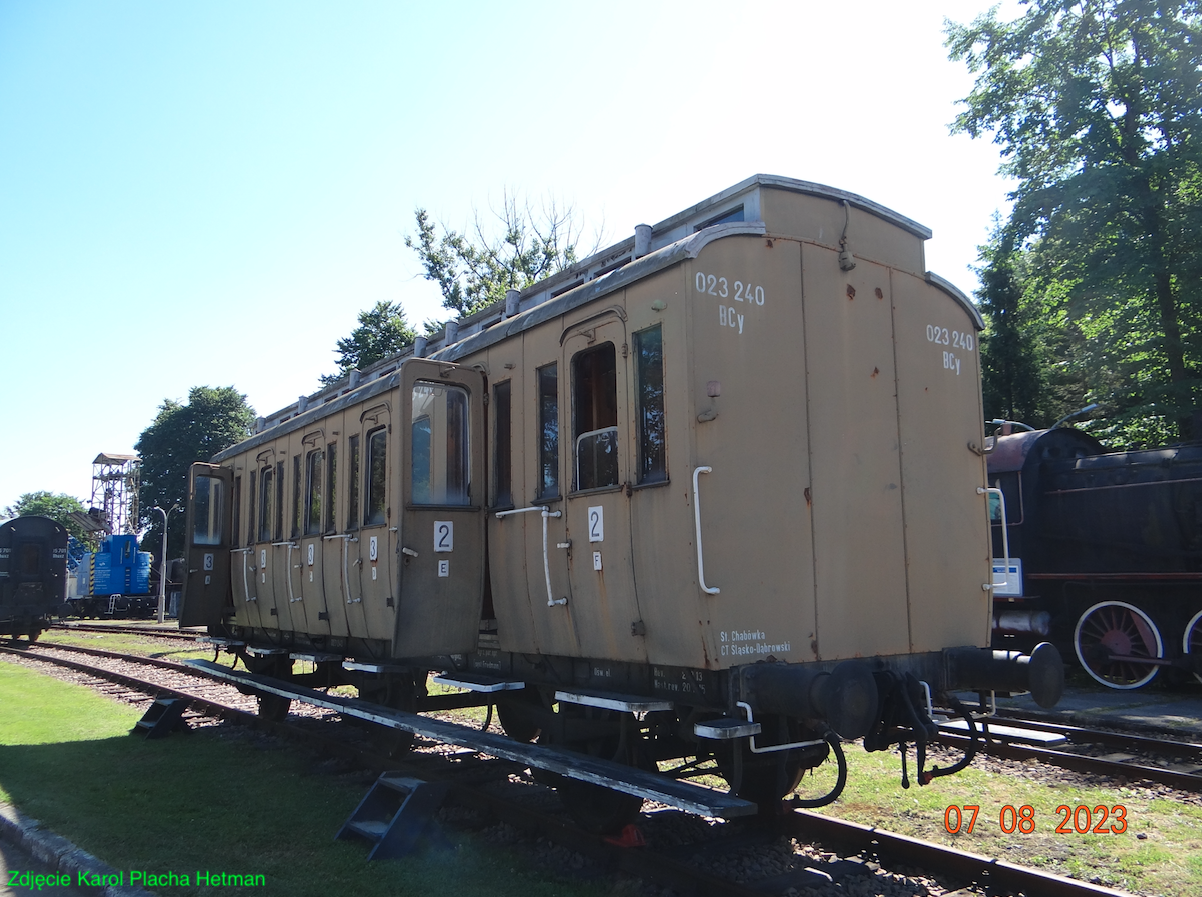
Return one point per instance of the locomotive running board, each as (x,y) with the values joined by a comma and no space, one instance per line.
(681,795)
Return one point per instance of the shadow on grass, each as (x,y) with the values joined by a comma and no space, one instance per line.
(234,801)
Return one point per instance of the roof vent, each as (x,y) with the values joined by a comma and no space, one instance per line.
(512,300)
(419,347)
(642,240)
(452,333)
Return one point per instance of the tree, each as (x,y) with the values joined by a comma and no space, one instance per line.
(382,331)
(212,420)
(57,506)
(475,270)
(1097,108)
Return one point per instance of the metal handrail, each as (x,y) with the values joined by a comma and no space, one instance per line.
(697,519)
(993,583)
(551,599)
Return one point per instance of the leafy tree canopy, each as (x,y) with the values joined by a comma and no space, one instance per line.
(1097,108)
(475,268)
(382,331)
(213,419)
(57,506)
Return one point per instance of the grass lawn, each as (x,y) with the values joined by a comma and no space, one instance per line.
(216,799)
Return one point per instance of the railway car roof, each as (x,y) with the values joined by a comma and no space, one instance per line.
(679,237)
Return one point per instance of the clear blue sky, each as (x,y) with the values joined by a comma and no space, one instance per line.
(209,193)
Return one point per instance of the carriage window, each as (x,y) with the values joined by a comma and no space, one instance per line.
(649,358)
(251,497)
(297,504)
(208,508)
(441,472)
(237,502)
(266,503)
(377,469)
(352,483)
(502,454)
(332,487)
(548,431)
(595,417)
(278,527)
(313,492)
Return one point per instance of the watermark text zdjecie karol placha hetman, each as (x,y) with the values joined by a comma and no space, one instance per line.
(38,881)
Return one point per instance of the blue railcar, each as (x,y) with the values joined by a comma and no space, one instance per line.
(114,580)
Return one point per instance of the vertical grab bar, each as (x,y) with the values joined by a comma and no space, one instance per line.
(551,599)
(993,583)
(697,520)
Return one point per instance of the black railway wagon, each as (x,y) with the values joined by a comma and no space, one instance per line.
(33,574)
(1101,551)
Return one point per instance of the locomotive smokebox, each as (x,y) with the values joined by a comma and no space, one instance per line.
(1041,672)
(845,698)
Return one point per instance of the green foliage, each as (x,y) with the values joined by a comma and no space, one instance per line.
(1097,108)
(213,419)
(382,331)
(57,506)
(474,270)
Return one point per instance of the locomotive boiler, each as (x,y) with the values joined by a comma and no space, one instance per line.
(1102,552)
(708,495)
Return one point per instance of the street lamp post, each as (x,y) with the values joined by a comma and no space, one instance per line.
(163,563)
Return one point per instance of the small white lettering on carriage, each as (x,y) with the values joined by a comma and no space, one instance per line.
(951,363)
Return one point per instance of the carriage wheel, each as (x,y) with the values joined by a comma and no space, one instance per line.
(1116,627)
(1191,643)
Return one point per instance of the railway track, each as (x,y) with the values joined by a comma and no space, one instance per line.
(146,631)
(1171,762)
(851,856)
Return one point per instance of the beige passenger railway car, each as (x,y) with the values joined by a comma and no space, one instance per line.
(730,465)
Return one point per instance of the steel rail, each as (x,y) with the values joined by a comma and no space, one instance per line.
(1078,762)
(997,876)
(173,634)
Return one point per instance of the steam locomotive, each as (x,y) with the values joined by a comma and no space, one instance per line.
(1099,551)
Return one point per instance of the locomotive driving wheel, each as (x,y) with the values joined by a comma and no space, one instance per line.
(1191,642)
(1110,640)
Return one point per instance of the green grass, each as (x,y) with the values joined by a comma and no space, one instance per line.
(216,799)
(1165,861)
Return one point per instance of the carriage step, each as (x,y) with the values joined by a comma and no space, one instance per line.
(1010,733)
(256,651)
(726,729)
(473,682)
(162,718)
(315,657)
(609,701)
(393,814)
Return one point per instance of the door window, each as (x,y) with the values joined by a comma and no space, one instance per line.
(266,503)
(595,417)
(376,511)
(441,468)
(208,508)
(313,491)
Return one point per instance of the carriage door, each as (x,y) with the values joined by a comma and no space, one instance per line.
(443,497)
(604,605)
(207,585)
